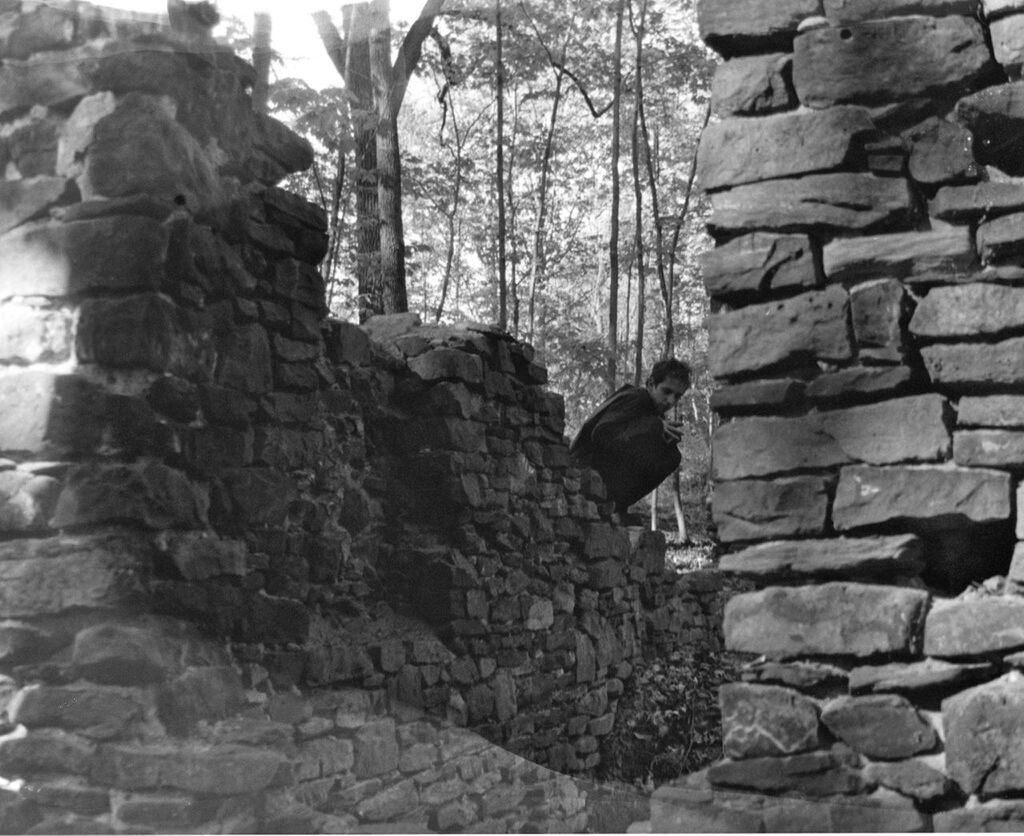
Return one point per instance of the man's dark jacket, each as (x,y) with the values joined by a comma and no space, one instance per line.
(625,442)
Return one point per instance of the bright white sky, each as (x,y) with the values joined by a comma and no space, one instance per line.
(293,33)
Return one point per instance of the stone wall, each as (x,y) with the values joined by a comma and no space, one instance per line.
(260,571)
(863,174)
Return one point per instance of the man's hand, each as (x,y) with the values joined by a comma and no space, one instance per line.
(673,431)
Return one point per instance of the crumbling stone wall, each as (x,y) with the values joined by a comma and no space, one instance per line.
(260,571)
(867,472)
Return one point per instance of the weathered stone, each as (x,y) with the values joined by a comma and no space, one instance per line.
(809,773)
(969,310)
(676,809)
(753,84)
(1002,239)
(446,364)
(26,500)
(809,677)
(376,749)
(200,555)
(840,12)
(21,641)
(984,732)
(859,383)
(810,326)
(156,811)
(382,328)
(842,557)
(882,811)
(72,794)
(764,720)
(51,751)
(873,495)
(755,509)
(976,366)
(45,576)
(879,61)
(916,676)
(23,199)
(737,151)
(391,803)
(244,360)
(995,116)
(1007,35)
(95,712)
(839,203)
(747,26)
(975,627)
(936,252)
(34,335)
(884,726)
(941,152)
(757,396)
(988,199)
(989,448)
(40,80)
(991,411)
(748,447)
(119,654)
(755,263)
(833,618)
(911,778)
(991,817)
(204,693)
(877,310)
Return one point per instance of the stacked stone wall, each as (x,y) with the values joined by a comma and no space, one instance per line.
(260,571)
(863,174)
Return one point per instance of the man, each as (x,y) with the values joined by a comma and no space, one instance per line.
(629,441)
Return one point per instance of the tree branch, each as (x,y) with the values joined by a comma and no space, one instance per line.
(332,41)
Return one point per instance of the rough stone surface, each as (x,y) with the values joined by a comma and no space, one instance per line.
(747,26)
(989,448)
(842,557)
(991,411)
(916,676)
(737,151)
(809,326)
(975,627)
(994,116)
(810,774)
(967,203)
(853,11)
(970,367)
(969,310)
(833,618)
(878,310)
(1008,42)
(765,720)
(872,495)
(753,84)
(842,202)
(755,509)
(750,447)
(984,732)
(754,264)
(872,62)
(910,777)
(809,677)
(884,726)
(757,396)
(1001,240)
(937,252)
(859,383)
(991,817)
(941,152)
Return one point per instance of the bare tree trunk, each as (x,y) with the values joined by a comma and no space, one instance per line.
(500,86)
(511,215)
(452,212)
(638,236)
(613,238)
(261,61)
(330,267)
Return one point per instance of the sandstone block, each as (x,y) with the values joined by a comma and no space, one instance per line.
(941,152)
(748,447)
(244,360)
(448,364)
(809,677)
(744,26)
(911,778)
(878,309)
(968,203)
(391,803)
(41,81)
(912,429)
(46,750)
(200,555)
(32,335)
(843,557)
(859,383)
(809,773)
(766,720)
(984,736)
(916,676)
(95,712)
(989,448)
(879,61)
(970,367)
(1008,42)
(753,264)
(1002,239)
(840,202)
(741,150)
(994,115)
(757,510)
(754,84)
(833,618)
(990,816)
(376,749)
(27,500)
(969,310)
(757,396)
(841,12)
(991,411)
(937,252)
(809,326)
(884,726)
(975,627)
(872,495)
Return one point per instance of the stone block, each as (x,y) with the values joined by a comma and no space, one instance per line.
(942,494)
(989,448)
(201,693)
(809,326)
(970,367)
(990,816)
(931,253)
(391,803)
(376,749)
(33,335)
(756,509)
(991,411)
(1008,43)
(119,654)
(766,720)
(842,557)
(71,794)
(756,263)
(969,310)
(93,711)
(746,26)
(757,396)
(38,80)
(1001,239)
(28,198)
(21,641)
(809,677)
(244,360)
(859,383)
(27,500)
(975,627)
(908,677)
(831,203)
(739,150)
(840,12)
(155,811)
(878,61)
(200,555)
(941,152)
(754,84)
(52,751)
(878,310)
(448,364)
(748,447)
(910,778)
(834,618)
(984,735)
(884,726)
(989,199)
(994,115)
(811,774)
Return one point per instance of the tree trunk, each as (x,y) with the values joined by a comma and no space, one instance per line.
(613,238)
(261,61)
(638,234)
(500,87)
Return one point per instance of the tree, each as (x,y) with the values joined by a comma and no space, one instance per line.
(613,236)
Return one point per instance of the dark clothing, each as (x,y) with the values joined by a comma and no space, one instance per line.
(625,442)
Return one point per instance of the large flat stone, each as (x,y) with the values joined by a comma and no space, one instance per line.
(754,84)
(757,396)
(885,726)
(807,327)
(845,619)
(1001,240)
(873,495)
(988,817)
(916,676)
(859,383)
(1007,35)
(766,720)
(754,264)
(910,778)
(736,26)
(990,411)
(897,255)
(841,12)
(880,61)
(809,677)
(750,447)
(837,203)
(969,310)
(809,773)
(757,510)
(966,367)
(742,150)
(995,116)
(975,627)
(989,448)
(941,152)
(985,737)
(842,557)
(968,203)
(27,198)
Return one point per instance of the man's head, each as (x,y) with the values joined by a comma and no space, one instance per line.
(668,381)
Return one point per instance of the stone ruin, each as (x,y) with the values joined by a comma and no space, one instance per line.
(261,571)
(868,209)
